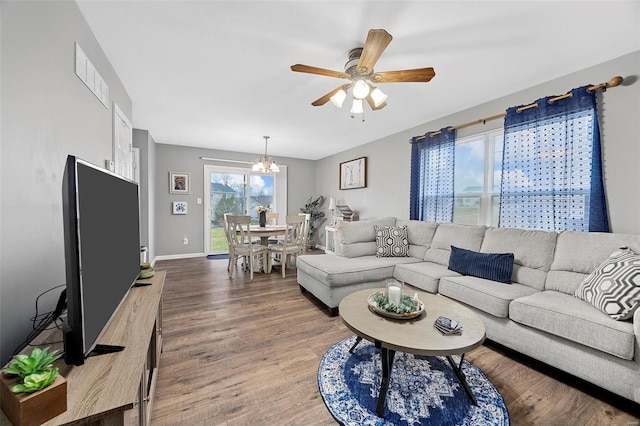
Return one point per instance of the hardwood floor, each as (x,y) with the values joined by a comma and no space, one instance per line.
(246,353)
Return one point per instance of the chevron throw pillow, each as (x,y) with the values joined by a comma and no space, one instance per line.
(392,241)
(614,287)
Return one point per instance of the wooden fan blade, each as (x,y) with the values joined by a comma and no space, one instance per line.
(324,99)
(418,75)
(319,71)
(377,41)
(373,105)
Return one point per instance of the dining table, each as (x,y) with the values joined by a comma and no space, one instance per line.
(264,232)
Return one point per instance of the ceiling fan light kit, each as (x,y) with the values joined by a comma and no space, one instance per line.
(378,97)
(338,98)
(360,88)
(357,107)
(265,164)
(359,70)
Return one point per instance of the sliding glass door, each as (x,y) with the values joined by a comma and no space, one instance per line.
(238,191)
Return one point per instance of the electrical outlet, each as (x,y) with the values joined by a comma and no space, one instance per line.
(185,240)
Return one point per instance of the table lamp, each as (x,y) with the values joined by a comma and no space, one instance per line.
(332,208)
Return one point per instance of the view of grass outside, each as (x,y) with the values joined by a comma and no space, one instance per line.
(466,215)
(238,194)
(466,210)
(477,179)
(218,240)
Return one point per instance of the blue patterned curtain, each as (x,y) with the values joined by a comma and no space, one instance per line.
(552,167)
(432,164)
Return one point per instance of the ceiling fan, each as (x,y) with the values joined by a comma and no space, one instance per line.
(359,69)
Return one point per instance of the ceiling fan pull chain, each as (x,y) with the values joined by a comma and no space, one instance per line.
(354,116)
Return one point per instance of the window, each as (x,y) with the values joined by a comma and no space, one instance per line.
(552,171)
(239,191)
(542,171)
(478,171)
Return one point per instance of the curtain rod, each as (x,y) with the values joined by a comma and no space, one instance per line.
(225,160)
(232,161)
(615,81)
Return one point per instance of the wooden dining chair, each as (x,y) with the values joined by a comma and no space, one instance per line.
(230,244)
(226,234)
(292,243)
(307,219)
(240,237)
(272,218)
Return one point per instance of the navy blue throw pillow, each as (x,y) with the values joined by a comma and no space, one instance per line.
(491,266)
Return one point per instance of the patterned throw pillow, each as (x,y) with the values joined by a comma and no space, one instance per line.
(614,287)
(392,241)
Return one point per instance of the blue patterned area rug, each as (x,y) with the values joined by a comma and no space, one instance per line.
(422,390)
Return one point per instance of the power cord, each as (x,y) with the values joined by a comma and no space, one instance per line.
(45,321)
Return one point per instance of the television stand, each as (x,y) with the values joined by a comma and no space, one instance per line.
(116,388)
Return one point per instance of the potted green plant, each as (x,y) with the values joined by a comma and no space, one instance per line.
(32,391)
(36,371)
(314,208)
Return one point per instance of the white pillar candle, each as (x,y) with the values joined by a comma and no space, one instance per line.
(395,294)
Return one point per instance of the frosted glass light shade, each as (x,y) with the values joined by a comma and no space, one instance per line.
(357,108)
(360,89)
(274,168)
(378,97)
(338,98)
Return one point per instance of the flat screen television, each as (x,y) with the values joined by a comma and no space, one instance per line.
(102,252)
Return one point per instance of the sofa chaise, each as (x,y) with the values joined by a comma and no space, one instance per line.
(536,314)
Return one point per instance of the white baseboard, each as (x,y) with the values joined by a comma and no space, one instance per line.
(176,256)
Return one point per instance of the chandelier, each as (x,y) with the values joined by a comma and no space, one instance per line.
(361,86)
(265,164)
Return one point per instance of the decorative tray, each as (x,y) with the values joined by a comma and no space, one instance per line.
(373,307)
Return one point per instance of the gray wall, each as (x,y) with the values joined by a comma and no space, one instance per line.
(143,140)
(47,113)
(171,229)
(387,192)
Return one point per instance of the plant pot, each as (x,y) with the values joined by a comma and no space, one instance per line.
(27,409)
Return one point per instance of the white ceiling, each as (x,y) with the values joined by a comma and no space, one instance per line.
(216,74)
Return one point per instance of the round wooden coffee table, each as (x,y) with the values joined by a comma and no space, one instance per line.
(415,336)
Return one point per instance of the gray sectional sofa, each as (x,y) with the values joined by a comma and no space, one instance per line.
(537,314)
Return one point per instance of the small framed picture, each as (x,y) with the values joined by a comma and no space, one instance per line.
(179,183)
(179,207)
(353,174)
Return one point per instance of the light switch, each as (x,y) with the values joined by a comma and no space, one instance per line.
(199,200)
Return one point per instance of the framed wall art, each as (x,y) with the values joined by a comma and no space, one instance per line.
(179,207)
(179,183)
(353,173)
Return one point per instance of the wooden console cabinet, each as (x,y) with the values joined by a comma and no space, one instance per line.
(118,388)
